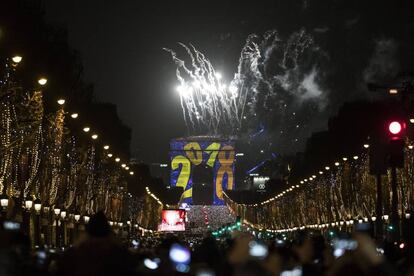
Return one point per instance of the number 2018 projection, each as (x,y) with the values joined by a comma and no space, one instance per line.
(213,154)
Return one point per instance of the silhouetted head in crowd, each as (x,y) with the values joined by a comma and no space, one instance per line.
(98,226)
(309,247)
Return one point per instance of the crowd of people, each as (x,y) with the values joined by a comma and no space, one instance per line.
(101,252)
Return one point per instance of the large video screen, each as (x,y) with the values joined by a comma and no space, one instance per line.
(172,220)
(190,155)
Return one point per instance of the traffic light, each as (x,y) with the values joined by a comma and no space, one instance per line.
(396,133)
(396,129)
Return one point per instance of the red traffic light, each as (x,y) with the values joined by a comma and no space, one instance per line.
(395,127)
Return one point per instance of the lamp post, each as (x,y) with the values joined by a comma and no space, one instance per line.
(38,208)
(28,205)
(129,230)
(56,211)
(405,227)
(49,225)
(374,218)
(77,217)
(86,219)
(4,203)
(63,227)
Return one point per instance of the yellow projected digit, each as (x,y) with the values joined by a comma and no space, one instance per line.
(194,153)
(226,159)
(184,175)
(212,149)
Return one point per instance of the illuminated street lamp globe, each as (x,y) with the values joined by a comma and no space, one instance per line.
(56,210)
(42,81)
(17,59)
(4,201)
(37,205)
(63,214)
(28,203)
(77,217)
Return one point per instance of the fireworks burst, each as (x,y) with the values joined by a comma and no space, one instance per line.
(276,79)
(207,101)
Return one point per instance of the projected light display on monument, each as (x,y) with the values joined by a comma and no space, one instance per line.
(206,162)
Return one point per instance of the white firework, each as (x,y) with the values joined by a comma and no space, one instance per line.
(274,78)
(207,101)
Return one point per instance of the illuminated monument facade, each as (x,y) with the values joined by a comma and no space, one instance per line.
(204,167)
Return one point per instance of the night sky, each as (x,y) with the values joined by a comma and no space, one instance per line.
(121,47)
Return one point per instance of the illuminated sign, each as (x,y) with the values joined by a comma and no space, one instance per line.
(215,157)
(259,182)
(172,220)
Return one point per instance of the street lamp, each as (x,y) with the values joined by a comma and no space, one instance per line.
(17,59)
(393,91)
(110,155)
(86,219)
(117,159)
(28,203)
(77,217)
(74,115)
(106,147)
(61,101)
(94,136)
(37,206)
(4,201)
(62,240)
(46,209)
(42,81)
(63,214)
(86,129)
(56,210)
(123,165)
